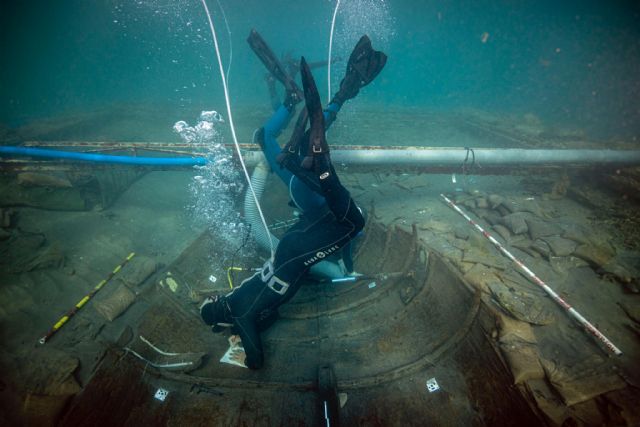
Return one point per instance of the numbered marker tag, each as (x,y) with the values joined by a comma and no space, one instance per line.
(432,385)
(161,394)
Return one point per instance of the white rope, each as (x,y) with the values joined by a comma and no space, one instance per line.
(226,23)
(333,23)
(164,353)
(231,125)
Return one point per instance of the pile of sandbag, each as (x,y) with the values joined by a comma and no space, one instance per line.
(525,225)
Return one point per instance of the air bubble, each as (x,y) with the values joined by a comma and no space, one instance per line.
(217,186)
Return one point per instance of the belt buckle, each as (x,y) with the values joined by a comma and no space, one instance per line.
(267,271)
(281,284)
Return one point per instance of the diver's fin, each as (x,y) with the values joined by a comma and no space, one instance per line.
(317,141)
(273,64)
(365,61)
(363,67)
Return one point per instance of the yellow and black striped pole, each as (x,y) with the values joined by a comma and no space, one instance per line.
(83,301)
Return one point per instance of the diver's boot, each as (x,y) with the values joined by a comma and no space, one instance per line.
(363,66)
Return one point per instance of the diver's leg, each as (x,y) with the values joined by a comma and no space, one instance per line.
(300,249)
(266,136)
(246,302)
(330,113)
(316,170)
(318,159)
(250,308)
(278,121)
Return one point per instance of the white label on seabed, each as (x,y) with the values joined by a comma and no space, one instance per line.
(432,385)
(161,394)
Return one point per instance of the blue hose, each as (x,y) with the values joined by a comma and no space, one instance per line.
(103,158)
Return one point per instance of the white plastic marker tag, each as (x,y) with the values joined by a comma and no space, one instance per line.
(453,178)
(372,285)
(432,385)
(161,394)
(213,279)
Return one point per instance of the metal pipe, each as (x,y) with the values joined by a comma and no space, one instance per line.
(484,156)
(394,156)
(413,156)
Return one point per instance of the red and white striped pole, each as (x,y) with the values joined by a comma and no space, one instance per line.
(577,316)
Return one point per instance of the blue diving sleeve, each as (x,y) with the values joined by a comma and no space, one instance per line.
(330,114)
(272,128)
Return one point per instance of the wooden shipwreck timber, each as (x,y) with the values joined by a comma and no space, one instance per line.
(410,349)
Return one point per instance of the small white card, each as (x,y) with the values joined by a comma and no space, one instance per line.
(235,355)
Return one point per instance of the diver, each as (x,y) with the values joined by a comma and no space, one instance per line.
(364,65)
(336,219)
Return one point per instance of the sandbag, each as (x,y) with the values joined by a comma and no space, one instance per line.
(116,303)
(582,381)
(138,270)
(518,344)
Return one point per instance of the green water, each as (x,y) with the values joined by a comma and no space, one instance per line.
(127,70)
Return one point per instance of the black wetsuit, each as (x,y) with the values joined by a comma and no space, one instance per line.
(258,297)
(252,306)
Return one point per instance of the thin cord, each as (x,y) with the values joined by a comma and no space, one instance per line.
(245,240)
(233,129)
(333,23)
(226,23)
